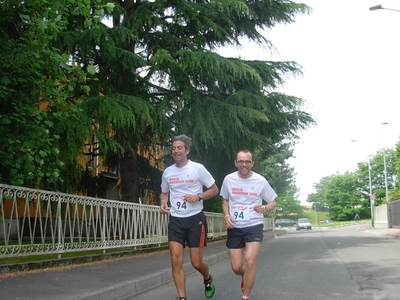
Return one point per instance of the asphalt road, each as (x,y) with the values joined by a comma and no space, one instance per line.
(338,263)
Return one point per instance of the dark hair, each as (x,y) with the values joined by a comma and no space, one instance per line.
(245,151)
(185,139)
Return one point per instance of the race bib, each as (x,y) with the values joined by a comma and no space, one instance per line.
(240,212)
(183,205)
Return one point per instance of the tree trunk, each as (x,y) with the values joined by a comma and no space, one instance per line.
(129,183)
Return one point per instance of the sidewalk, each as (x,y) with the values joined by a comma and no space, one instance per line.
(114,279)
(387,232)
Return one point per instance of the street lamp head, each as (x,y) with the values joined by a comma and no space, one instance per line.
(385,123)
(376,7)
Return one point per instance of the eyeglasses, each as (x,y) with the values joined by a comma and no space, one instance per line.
(247,162)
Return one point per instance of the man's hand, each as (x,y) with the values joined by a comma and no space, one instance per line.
(229,222)
(164,207)
(191,198)
(259,208)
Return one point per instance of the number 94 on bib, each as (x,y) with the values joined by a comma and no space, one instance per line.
(240,212)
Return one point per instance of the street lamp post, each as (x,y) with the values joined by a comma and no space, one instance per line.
(386,181)
(379,6)
(371,201)
(370,189)
(316,219)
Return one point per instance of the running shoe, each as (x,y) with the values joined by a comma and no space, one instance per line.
(209,287)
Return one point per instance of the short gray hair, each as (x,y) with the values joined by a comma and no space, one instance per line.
(185,139)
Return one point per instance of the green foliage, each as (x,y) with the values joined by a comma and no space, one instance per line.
(394,195)
(287,202)
(271,161)
(347,194)
(213,204)
(315,216)
(397,155)
(40,124)
(154,73)
(159,75)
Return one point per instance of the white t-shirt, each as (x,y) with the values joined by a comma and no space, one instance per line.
(243,194)
(186,180)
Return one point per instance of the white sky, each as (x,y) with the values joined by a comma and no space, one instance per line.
(351,62)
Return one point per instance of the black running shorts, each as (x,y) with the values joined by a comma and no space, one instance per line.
(191,230)
(238,237)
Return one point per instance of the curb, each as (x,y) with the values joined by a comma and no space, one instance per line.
(395,236)
(131,288)
(73,261)
(51,263)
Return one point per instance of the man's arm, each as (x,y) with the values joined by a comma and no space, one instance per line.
(210,192)
(164,203)
(270,206)
(227,217)
(260,208)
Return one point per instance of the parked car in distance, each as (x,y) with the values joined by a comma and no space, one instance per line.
(303,223)
(284,222)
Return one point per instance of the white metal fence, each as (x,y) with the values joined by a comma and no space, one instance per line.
(34,222)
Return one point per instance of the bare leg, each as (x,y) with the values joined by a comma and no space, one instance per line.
(249,277)
(236,257)
(244,264)
(196,258)
(176,251)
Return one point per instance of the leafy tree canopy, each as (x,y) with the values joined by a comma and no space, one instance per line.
(36,80)
(153,74)
(346,194)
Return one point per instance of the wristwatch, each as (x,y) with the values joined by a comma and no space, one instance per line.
(200,196)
